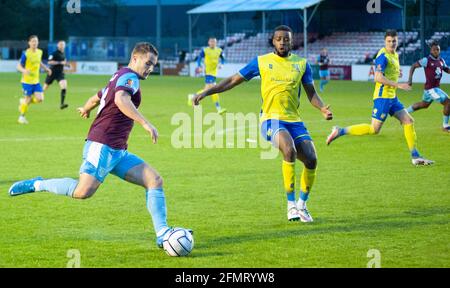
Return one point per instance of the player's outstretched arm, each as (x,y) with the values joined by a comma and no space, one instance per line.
(379,77)
(92,102)
(411,72)
(123,101)
(317,102)
(224,85)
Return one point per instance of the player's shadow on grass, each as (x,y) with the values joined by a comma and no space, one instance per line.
(367,225)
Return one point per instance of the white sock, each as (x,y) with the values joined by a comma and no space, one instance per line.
(291,204)
(37,186)
(301,204)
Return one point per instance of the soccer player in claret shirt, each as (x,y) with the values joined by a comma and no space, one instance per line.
(282,75)
(385,101)
(433,66)
(29,65)
(213,60)
(106,151)
(323,60)
(57,61)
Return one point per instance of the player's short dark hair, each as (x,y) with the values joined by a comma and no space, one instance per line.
(144,48)
(283,28)
(32,36)
(279,28)
(391,33)
(434,43)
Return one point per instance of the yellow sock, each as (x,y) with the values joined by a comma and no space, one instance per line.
(307,179)
(360,129)
(410,135)
(288,176)
(200,91)
(34,100)
(23,107)
(215,99)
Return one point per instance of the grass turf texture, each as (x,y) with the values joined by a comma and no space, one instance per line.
(367,194)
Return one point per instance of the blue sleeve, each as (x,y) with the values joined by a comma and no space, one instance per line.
(423,62)
(381,63)
(200,57)
(222,58)
(128,82)
(445,64)
(307,76)
(251,70)
(23,59)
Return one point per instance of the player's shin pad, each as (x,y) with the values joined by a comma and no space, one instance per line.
(360,129)
(410,135)
(307,179)
(288,169)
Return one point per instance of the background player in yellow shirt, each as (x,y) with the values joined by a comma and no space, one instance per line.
(385,101)
(213,59)
(29,65)
(282,75)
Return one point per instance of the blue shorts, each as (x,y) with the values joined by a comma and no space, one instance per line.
(99,160)
(324,73)
(384,106)
(298,131)
(210,79)
(30,89)
(434,94)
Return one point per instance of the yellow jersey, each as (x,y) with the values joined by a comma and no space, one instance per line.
(212,57)
(389,65)
(281,79)
(32,62)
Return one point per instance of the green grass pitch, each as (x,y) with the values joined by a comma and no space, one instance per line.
(367,194)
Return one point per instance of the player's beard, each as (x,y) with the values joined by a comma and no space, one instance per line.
(283,53)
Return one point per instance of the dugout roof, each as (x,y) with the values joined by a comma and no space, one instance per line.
(227,6)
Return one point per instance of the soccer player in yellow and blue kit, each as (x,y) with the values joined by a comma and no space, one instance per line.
(29,65)
(214,58)
(385,101)
(282,74)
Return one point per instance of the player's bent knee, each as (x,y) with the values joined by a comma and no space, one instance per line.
(290,153)
(311,163)
(85,193)
(155,182)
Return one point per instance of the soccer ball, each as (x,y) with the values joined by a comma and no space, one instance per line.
(178,242)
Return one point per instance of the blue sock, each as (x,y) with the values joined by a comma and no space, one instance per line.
(415,153)
(446,119)
(63,186)
(321,84)
(410,109)
(291,196)
(304,196)
(156,205)
(342,131)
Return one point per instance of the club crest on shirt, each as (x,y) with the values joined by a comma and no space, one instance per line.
(129,83)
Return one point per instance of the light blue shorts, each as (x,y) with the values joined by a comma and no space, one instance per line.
(99,160)
(434,94)
(324,73)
